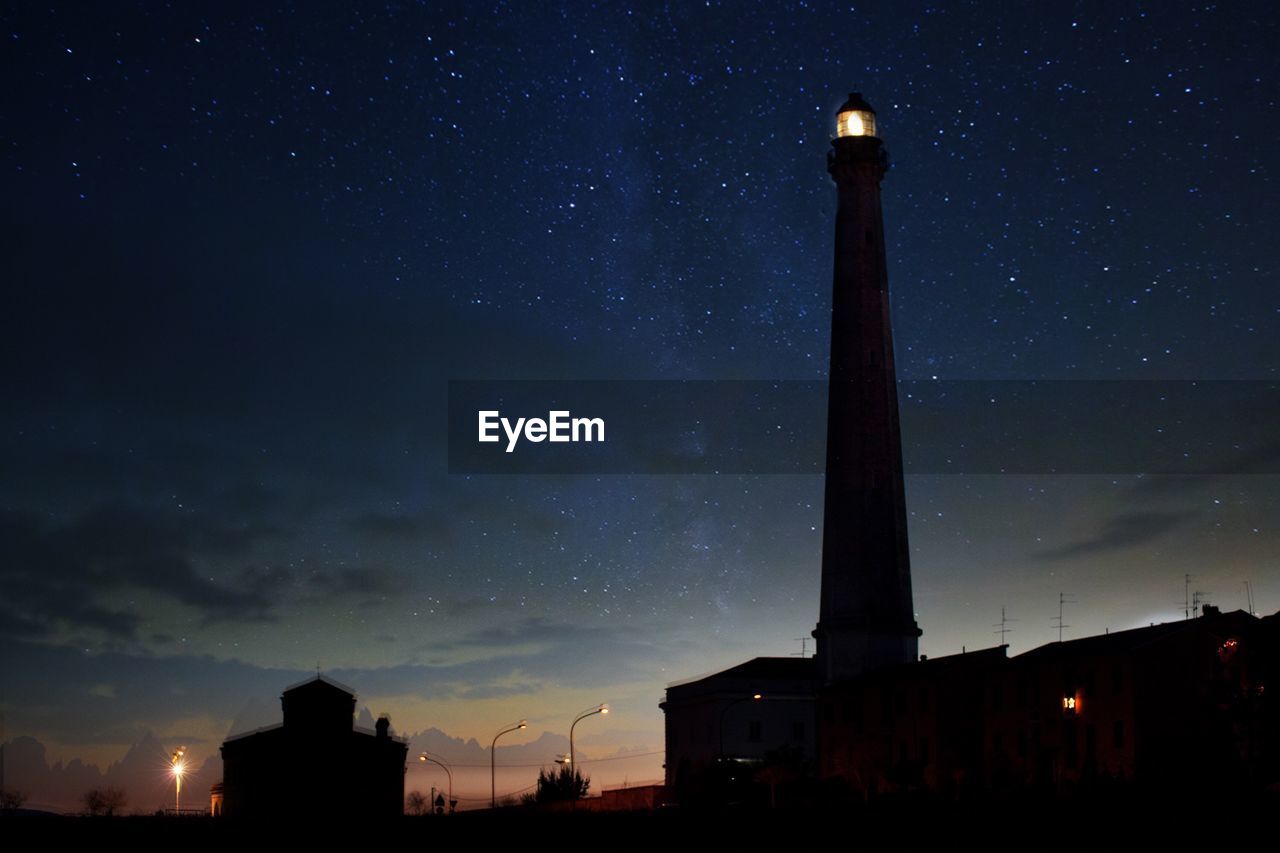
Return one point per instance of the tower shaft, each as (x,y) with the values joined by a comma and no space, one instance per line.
(866,619)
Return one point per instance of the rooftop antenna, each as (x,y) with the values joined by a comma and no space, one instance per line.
(804,647)
(1198,598)
(1003,627)
(1063,598)
(1248,596)
(1186,596)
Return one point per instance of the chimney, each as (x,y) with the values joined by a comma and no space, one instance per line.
(382,726)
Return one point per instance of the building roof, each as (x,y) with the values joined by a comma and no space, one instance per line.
(320,684)
(926,668)
(1134,639)
(772,669)
(276,730)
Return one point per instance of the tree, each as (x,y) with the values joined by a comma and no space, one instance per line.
(11,799)
(105,801)
(416,803)
(563,784)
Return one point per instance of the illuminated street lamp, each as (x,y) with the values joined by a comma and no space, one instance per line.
(493,762)
(179,768)
(855,118)
(573,768)
(424,758)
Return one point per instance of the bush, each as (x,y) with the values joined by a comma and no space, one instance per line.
(559,785)
(105,801)
(416,803)
(11,800)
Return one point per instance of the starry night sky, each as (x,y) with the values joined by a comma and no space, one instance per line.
(246,246)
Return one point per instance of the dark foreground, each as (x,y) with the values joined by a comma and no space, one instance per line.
(1108,824)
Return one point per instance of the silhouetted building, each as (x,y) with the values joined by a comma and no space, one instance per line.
(1181,705)
(755,712)
(317,763)
(215,799)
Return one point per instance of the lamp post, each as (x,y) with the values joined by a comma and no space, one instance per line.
(493,762)
(573,768)
(754,697)
(179,768)
(424,758)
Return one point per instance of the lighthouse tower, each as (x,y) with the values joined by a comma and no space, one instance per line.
(866,620)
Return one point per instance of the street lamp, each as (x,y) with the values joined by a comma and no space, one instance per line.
(424,758)
(601,709)
(493,762)
(179,768)
(754,697)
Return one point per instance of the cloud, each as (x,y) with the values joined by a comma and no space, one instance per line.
(1121,531)
(57,574)
(498,691)
(70,575)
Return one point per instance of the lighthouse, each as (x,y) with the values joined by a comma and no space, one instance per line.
(739,716)
(866,620)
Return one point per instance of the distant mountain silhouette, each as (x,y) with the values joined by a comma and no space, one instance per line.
(142,772)
(470,751)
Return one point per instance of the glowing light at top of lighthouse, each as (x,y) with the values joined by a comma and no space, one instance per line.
(856,118)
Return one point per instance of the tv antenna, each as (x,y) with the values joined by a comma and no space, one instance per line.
(1002,628)
(1063,598)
